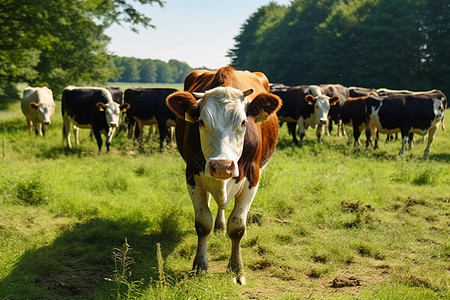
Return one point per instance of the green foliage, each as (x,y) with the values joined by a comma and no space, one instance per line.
(371,43)
(57,43)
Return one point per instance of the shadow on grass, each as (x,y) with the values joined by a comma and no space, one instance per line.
(76,264)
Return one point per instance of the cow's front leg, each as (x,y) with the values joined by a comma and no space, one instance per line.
(237,224)
(203,225)
(301,130)
(319,133)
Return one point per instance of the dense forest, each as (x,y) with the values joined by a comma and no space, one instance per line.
(402,44)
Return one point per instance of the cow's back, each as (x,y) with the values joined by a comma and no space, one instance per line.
(79,104)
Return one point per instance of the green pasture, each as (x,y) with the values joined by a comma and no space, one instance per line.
(329,221)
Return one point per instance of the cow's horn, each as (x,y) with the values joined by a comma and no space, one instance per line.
(248,92)
(198,95)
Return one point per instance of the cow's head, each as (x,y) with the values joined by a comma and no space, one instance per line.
(44,111)
(321,105)
(223,114)
(112,111)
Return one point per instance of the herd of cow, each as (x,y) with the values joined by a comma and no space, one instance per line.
(369,110)
(227,129)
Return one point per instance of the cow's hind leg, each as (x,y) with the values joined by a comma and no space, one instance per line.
(203,226)
(66,131)
(236,226)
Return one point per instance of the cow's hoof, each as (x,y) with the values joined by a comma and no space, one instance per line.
(240,280)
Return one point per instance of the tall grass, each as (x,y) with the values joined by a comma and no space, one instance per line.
(368,219)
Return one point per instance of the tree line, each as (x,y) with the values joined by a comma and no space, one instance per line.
(401,44)
(132,69)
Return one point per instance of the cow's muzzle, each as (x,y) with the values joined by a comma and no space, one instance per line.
(222,169)
(323,121)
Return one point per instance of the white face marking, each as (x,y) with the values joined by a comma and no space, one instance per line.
(222,126)
(322,106)
(112,111)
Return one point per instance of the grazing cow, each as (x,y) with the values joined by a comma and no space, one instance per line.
(355,91)
(353,113)
(90,107)
(38,106)
(148,107)
(305,105)
(332,90)
(225,138)
(407,113)
(117,94)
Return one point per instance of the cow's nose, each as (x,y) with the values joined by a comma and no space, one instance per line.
(47,123)
(113,124)
(323,121)
(221,168)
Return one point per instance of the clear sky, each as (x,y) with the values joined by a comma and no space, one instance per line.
(198,32)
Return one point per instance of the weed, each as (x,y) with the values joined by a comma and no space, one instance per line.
(426,177)
(125,289)
(31,192)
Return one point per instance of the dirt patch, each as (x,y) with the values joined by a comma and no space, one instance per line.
(340,282)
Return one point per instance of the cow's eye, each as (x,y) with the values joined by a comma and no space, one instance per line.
(244,123)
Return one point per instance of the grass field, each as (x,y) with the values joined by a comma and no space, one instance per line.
(329,221)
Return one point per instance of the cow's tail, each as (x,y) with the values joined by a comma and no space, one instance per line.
(443,123)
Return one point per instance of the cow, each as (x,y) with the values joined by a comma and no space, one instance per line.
(38,106)
(407,114)
(332,90)
(353,113)
(148,107)
(226,132)
(356,91)
(117,94)
(90,107)
(305,105)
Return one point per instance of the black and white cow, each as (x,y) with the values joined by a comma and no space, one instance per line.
(148,107)
(90,107)
(334,115)
(408,113)
(304,105)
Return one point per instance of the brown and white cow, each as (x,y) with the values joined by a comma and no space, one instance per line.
(38,106)
(226,131)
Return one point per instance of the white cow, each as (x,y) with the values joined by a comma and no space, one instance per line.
(38,106)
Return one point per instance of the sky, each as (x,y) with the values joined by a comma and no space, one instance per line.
(197,32)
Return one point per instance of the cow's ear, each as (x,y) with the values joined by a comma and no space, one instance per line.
(334,100)
(184,105)
(310,99)
(34,105)
(264,105)
(124,107)
(100,106)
